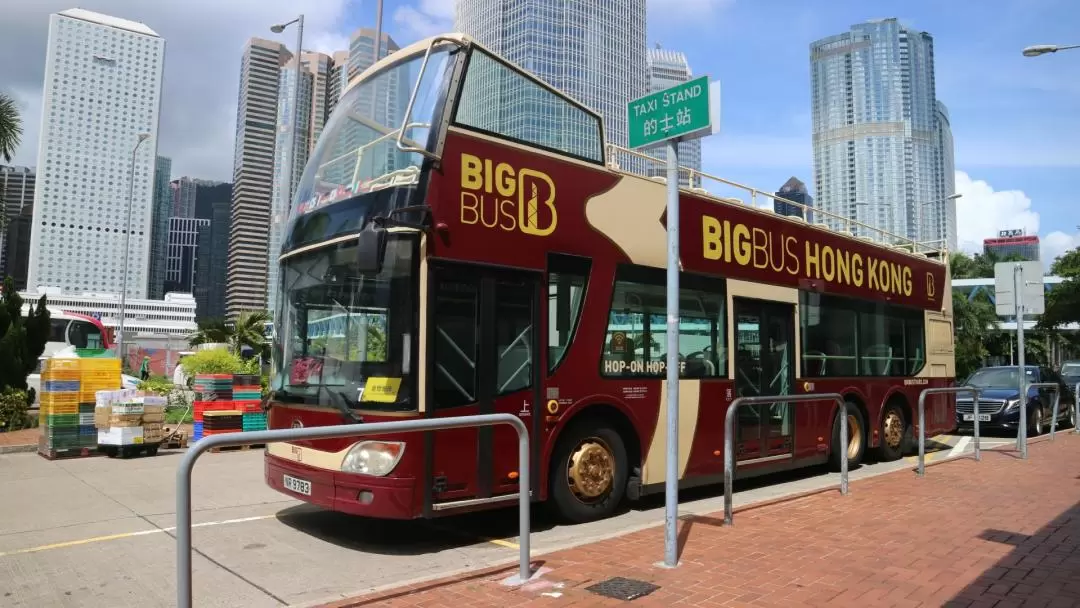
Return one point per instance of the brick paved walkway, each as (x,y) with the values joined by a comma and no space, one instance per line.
(23,437)
(1003,532)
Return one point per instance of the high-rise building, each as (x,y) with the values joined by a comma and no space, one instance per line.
(362,52)
(281,197)
(16,219)
(1013,243)
(668,68)
(876,130)
(159,234)
(253,172)
(103,78)
(338,81)
(212,202)
(794,190)
(941,224)
(183,252)
(183,197)
(593,50)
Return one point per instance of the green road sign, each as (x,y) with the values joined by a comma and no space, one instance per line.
(681,111)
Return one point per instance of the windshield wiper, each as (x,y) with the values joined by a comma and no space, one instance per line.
(345,408)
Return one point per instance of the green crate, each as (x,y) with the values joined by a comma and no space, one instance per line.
(87,408)
(60,420)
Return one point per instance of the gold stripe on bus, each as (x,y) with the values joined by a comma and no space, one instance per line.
(330,461)
(341,239)
(655,467)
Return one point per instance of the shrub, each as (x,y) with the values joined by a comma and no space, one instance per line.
(215,361)
(14,410)
(157,386)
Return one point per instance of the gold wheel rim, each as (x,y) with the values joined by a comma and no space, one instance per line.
(854,437)
(591,470)
(893,431)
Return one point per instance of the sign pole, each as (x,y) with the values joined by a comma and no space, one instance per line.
(1018,285)
(671,486)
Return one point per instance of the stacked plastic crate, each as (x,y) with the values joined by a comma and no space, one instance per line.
(59,414)
(247,398)
(213,393)
(96,374)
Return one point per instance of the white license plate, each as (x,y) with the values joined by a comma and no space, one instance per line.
(299,486)
(982,417)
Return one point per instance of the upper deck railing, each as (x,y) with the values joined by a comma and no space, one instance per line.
(837,223)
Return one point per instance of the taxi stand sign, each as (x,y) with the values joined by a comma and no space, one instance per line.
(677,113)
(684,111)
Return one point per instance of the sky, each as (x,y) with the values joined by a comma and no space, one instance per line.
(1015,120)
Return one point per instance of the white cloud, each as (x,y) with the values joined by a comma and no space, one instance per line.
(982,211)
(204,42)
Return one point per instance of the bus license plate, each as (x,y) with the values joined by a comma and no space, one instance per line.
(982,417)
(299,486)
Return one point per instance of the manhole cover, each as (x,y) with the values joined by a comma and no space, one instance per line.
(625,589)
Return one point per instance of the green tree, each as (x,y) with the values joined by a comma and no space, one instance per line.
(210,331)
(975,321)
(22,339)
(1063,302)
(249,330)
(10,127)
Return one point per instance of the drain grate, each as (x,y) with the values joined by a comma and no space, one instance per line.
(625,589)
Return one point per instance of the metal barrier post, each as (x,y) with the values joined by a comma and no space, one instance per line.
(729,438)
(183,475)
(1053,421)
(921,469)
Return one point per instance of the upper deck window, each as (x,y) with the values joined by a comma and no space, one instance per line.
(498,99)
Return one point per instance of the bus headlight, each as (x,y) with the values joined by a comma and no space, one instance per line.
(375,458)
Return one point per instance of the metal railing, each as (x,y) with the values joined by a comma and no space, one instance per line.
(852,226)
(1076,410)
(729,438)
(1021,435)
(183,475)
(949,390)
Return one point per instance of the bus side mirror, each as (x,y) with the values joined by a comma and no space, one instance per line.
(371,249)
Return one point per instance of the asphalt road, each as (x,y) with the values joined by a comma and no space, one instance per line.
(98,532)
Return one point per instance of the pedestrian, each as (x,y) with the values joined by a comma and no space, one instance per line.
(144,371)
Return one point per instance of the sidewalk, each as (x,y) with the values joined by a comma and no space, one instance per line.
(1003,532)
(25,440)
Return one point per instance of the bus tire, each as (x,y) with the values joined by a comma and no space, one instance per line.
(589,471)
(895,429)
(856,437)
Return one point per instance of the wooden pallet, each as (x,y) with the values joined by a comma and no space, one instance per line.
(237,448)
(68,453)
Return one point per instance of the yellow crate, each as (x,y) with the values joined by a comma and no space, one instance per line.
(56,365)
(61,375)
(59,408)
(105,376)
(49,399)
(101,364)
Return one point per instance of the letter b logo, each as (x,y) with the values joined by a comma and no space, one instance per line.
(931,287)
(529,202)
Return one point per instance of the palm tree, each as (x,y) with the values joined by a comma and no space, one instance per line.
(210,331)
(10,127)
(975,321)
(249,330)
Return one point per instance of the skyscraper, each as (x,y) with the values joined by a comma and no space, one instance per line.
(593,50)
(668,68)
(212,202)
(159,233)
(794,190)
(878,156)
(183,197)
(281,197)
(941,224)
(103,79)
(253,172)
(16,219)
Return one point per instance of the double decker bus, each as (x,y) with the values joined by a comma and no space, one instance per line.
(462,242)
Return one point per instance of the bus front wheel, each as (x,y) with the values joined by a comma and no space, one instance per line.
(588,473)
(894,433)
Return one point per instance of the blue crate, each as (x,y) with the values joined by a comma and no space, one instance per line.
(61,386)
(197,432)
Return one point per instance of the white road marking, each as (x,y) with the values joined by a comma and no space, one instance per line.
(960,446)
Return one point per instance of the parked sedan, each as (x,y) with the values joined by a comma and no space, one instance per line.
(999,401)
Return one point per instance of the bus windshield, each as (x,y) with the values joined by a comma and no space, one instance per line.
(343,331)
(358,150)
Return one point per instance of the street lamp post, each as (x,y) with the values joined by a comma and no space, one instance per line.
(294,120)
(1041,49)
(127,242)
(951,197)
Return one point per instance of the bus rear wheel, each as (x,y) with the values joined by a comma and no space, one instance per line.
(894,431)
(856,445)
(588,473)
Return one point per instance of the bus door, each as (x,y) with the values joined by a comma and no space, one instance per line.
(484,338)
(764,365)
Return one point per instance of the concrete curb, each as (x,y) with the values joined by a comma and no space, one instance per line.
(17,449)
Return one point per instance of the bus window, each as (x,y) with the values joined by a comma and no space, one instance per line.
(567,278)
(636,340)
